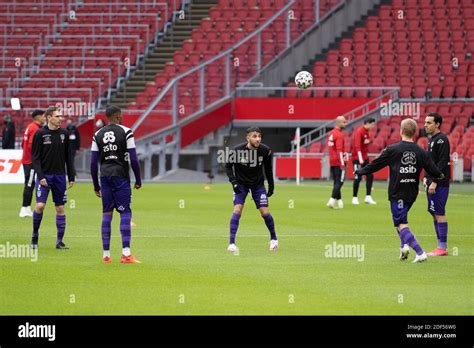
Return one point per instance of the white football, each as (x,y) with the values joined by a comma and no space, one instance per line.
(304,80)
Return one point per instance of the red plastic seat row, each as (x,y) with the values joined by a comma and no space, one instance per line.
(229,22)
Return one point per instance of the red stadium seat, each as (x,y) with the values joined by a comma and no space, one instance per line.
(423,142)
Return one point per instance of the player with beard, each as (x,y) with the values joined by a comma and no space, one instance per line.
(247,169)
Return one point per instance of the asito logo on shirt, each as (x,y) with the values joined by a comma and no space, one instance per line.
(109,137)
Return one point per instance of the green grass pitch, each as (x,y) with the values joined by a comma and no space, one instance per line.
(182,235)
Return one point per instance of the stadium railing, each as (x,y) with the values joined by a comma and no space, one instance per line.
(117,6)
(144,127)
(73,74)
(121,17)
(197,73)
(315,165)
(171,98)
(42,6)
(352,116)
(60,22)
(78,65)
(472,169)
(10,39)
(10,72)
(56,82)
(40,103)
(4,82)
(48,92)
(5,59)
(34,17)
(88,39)
(7,30)
(150,132)
(123,28)
(85,49)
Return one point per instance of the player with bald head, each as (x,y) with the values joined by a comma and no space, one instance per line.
(406,160)
(337,161)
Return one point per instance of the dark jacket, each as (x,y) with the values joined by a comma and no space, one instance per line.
(8,136)
(74,138)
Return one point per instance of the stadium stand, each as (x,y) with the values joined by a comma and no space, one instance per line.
(59,50)
(424,47)
(228,23)
(92,50)
(403,46)
(77,51)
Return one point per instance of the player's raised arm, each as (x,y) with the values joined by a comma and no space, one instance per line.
(36,155)
(95,165)
(268,165)
(379,163)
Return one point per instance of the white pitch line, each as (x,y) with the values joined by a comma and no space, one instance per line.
(279,235)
